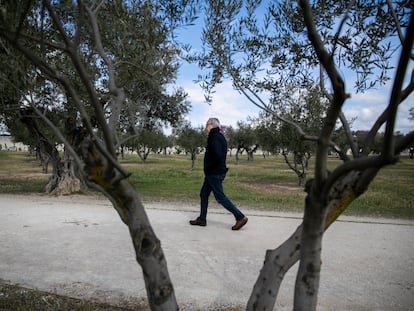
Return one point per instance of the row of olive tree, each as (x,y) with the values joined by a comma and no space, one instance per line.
(92,73)
(280,47)
(265,134)
(144,58)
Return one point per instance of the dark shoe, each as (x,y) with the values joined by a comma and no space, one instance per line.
(198,222)
(240,223)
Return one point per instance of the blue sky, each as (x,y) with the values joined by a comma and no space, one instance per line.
(230,106)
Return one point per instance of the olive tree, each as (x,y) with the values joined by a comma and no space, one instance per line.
(140,48)
(265,48)
(65,44)
(21,87)
(243,138)
(192,140)
(305,107)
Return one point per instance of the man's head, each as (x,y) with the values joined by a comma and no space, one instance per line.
(212,123)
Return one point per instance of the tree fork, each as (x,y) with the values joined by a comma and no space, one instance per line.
(277,262)
(266,288)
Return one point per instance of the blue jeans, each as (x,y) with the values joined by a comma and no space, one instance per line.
(214,183)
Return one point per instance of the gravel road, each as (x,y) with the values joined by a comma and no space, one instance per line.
(78,246)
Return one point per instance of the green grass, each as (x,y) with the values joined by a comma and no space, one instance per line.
(248,184)
(265,183)
(11,185)
(391,194)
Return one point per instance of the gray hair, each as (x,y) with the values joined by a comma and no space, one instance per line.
(215,122)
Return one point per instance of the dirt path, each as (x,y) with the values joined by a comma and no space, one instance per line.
(78,246)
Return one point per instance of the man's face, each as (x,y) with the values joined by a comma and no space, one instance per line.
(209,126)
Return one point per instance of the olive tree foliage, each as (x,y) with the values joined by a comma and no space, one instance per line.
(268,134)
(264,47)
(243,138)
(306,108)
(77,46)
(148,141)
(192,140)
(146,62)
(21,85)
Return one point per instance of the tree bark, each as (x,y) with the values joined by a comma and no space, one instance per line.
(278,261)
(102,175)
(307,278)
(64,179)
(193,159)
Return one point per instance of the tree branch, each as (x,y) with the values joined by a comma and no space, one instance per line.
(71,48)
(339,95)
(348,133)
(341,25)
(57,23)
(344,121)
(113,89)
(395,100)
(266,108)
(396,21)
(54,74)
(409,89)
(383,117)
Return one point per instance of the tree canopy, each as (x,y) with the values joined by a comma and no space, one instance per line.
(87,52)
(268,48)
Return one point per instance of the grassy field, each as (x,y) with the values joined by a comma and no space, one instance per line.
(265,183)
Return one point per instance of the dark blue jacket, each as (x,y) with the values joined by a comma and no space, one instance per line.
(216,151)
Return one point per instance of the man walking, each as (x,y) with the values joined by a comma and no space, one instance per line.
(215,170)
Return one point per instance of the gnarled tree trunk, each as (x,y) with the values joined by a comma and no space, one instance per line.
(102,174)
(64,179)
(278,261)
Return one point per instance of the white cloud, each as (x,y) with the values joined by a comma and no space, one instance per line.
(230,106)
(227,105)
(367,107)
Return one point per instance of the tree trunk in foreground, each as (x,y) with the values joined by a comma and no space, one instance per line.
(103,175)
(278,261)
(308,275)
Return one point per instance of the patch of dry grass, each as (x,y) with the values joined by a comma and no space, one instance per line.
(17,298)
(21,165)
